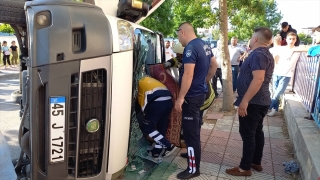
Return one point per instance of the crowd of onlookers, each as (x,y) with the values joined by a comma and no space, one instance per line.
(8,52)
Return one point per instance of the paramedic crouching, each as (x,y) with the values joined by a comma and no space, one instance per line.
(156,104)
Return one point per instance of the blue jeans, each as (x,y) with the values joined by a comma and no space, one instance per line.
(235,72)
(279,85)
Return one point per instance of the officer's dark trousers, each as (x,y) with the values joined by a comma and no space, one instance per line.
(191,131)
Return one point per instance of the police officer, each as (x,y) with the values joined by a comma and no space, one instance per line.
(198,67)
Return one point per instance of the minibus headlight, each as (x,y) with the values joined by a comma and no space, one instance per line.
(125,32)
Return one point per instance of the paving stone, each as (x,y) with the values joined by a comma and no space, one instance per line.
(277,135)
(202,145)
(279,142)
(214,148)
(267,149)
(235,136)
(267,168)
(235,129)
(181,162)
(222,127)
(222,134)
(267,140)
(204,138)
(266,134)
(232,161)
(259,176)
(279,159)
(265,123)
(235,123)
(218,140)
(282,178)
(275,129)
(275,119)
(233,151)
(209,169)
(215,116)
(210,157)
(224,122)
(235,143)
(279,150)
(223,174)
(279,171)
(265,129)
(228,117)
(205,132)
(276,124)
(201,177)
(266,158)
(207,126)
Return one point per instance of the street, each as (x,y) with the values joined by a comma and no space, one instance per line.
(9,115)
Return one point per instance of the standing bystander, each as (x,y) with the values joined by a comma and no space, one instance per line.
(286,28)
(217,54)
(236,52)
(285,64)
(315,50)
(253,101)
(14,51)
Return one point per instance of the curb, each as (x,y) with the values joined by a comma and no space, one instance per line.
(9,76)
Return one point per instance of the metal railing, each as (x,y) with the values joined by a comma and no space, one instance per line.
(306,82)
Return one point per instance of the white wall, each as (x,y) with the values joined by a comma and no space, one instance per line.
(9,39)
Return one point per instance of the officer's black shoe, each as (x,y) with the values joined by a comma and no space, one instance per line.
(184,155)
(186,175)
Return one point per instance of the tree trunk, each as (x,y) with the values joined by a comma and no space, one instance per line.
(226,65)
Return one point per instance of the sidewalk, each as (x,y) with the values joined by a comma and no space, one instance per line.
(222,148)
(9,73)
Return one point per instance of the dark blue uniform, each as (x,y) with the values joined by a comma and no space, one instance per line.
(196,52)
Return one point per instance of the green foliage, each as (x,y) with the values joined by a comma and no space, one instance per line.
(6,28)
(262,13)
(161,19)
(305,38)
(232,34)
(172,13)
(198,13)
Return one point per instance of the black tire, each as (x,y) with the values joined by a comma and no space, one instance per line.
(12,12)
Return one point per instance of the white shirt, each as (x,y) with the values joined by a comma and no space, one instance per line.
(217,54)
(235,53)
(169,53)
(287,61)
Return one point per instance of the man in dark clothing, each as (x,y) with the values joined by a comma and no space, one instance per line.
(253,101)
(283,33)
(198,67)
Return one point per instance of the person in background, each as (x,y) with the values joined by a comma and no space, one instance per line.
(198,67)
(217,54)
(236,53)
(14,51)
(253,101)
(172,46)
(170,55)
(286,28)
(315,50)
(155,101)
(284,68)
(6,54)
